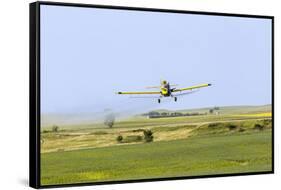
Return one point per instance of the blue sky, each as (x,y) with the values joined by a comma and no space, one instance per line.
(89,54)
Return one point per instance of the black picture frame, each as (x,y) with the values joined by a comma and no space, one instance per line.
(34,90)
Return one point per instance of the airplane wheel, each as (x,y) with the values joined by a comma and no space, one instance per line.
(176,99)
(159,101)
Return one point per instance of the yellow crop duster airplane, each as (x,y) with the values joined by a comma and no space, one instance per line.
(166,90)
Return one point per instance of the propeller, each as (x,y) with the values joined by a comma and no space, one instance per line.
(149,87)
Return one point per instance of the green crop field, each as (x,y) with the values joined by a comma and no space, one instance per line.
(188,157)
(231,142)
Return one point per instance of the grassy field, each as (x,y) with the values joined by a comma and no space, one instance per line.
(188,157)
(92,136)
(182,146)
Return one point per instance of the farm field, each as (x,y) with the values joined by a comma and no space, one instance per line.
(182,146)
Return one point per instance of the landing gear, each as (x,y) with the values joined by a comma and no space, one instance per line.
(159,101)
(175,99)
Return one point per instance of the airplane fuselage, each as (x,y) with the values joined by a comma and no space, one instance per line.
(166,90)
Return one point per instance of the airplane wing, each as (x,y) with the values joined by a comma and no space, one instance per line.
(191,87)
(144,92)
(185,93)
(139,97)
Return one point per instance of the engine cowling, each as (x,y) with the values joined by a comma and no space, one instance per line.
(164,91)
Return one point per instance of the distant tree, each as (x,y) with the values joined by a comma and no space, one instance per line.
(148,135)
(259,126)
(211,111)
(119,138)
(55,128)
(153,113)
(109,120)
(231,127)
(164,114)
(194,113)
(216,108)
(178,114)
